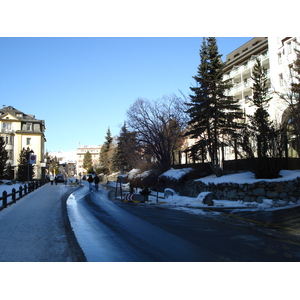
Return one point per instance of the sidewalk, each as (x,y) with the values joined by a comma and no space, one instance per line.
(36,229)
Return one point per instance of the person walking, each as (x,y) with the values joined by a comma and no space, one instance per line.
(90,180)
(96,180)
(52,178)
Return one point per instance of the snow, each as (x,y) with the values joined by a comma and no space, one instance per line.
(177,173)
(195,205)
(248,177)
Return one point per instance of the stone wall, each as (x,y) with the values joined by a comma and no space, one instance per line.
(281,190)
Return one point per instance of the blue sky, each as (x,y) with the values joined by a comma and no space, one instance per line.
(81,86)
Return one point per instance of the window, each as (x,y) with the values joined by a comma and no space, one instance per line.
(289,47)
(279,58)
(280,80)
(28,141)
(6,126)
(10,154)
(29,126)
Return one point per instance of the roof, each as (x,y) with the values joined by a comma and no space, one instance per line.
(18,114)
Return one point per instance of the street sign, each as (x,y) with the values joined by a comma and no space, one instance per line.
(32,159)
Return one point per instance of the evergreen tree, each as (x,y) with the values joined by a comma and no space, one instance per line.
(106,153)
(8,173)
(87,162)
(3,156)
(214,116)
(265,135)
(127,154)
(24,168)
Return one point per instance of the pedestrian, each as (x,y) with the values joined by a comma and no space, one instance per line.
(96,180)
(52,177)
(90,180)
(55,180)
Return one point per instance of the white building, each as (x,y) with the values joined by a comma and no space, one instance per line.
(277,55)
(95,153)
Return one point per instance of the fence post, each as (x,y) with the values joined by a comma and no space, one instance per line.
(4,196)
(20,191)
(25,189)
(13,195)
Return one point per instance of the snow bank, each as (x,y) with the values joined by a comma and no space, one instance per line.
(248,177)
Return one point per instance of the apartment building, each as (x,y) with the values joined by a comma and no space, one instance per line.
(20,131)
(277,55)
(81,151)
(66,160)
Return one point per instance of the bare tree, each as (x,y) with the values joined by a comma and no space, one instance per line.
(159,125)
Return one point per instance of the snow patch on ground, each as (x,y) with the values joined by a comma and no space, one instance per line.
(172,200)
(248,177)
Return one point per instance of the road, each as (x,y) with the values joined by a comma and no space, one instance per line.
(113,231)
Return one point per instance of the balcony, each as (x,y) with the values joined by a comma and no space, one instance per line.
(7,131)
(249,64)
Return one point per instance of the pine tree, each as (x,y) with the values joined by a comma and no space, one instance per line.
(266,136)
(24,168)
(127,154)
(3,156)
(106,153)
(260,121)
(87,162)
(213,115)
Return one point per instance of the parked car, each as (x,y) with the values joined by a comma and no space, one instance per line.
(60,178)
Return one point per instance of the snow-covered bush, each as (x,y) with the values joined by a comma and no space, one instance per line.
(143,179)
(174,177)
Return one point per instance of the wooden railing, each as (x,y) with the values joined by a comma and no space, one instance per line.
(16,194)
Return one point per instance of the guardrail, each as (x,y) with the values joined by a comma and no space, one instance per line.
(17,194)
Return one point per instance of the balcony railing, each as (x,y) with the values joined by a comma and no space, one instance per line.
(4,130)
(247,65)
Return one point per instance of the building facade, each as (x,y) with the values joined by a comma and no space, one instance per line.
(66,161)
(276,55)
(95,153)
(19,131)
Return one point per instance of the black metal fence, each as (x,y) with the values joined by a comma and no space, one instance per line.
(241,165)
(16,194)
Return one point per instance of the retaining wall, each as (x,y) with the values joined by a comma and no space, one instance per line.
(281,190)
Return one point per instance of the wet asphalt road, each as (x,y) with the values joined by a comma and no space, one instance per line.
(137,232)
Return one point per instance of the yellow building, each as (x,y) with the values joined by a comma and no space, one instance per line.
(20,131)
